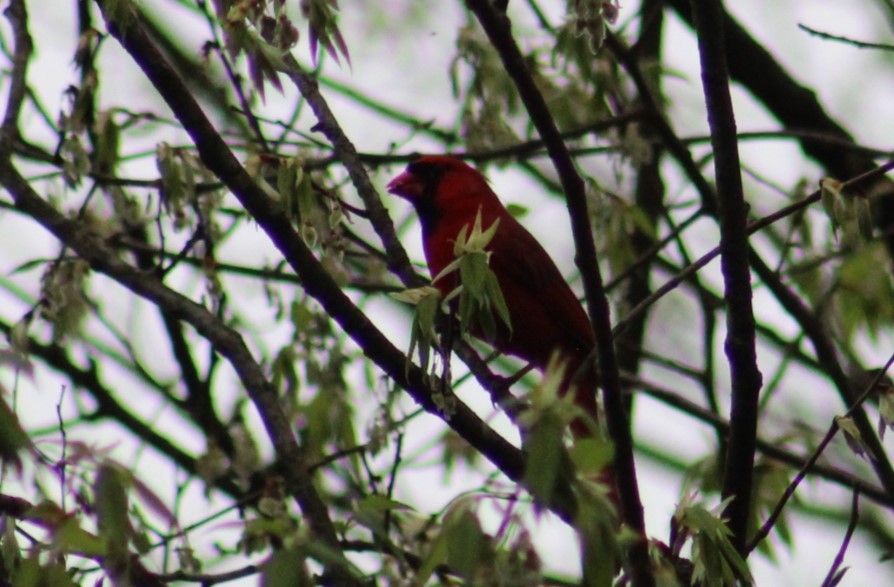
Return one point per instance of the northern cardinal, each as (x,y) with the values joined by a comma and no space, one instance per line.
(545,315)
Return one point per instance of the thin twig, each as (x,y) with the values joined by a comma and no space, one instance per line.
(845,40)
(834,576)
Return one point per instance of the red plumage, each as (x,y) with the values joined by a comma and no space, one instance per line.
(544,313)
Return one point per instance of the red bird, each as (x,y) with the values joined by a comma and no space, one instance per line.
(544,313)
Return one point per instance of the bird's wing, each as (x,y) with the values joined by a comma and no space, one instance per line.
(522,265)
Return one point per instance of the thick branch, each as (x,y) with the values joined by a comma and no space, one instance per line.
(733,212)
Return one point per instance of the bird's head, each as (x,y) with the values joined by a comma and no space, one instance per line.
(438,184)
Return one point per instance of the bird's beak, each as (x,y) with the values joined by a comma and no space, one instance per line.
(406,185)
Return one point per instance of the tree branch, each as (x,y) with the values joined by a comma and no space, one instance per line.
(17,15)
(741,336)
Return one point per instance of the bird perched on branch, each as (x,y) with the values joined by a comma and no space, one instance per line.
(544,315)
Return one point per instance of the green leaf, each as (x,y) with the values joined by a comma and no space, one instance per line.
(597,524)
(517,210)
(663,569)
(770,481)
(10,551)
(436,555)
(478,290)
(323,28)
(546,394)
(13,438)
(717,563)
(286,568)
(830,195)
(473,272)
(62,289)
(591,456)
(496,300)
(427,301)
(108,136)
(380,503)
(852,435)
(33,573)
(885,410)
(863,213)
(257,533)
(864,296)
(71,538)
(546,452)
(427,313)
(110,491)
(478,239)
(466,543)
(288,178)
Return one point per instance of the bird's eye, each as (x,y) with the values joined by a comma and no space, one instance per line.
(426,173)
